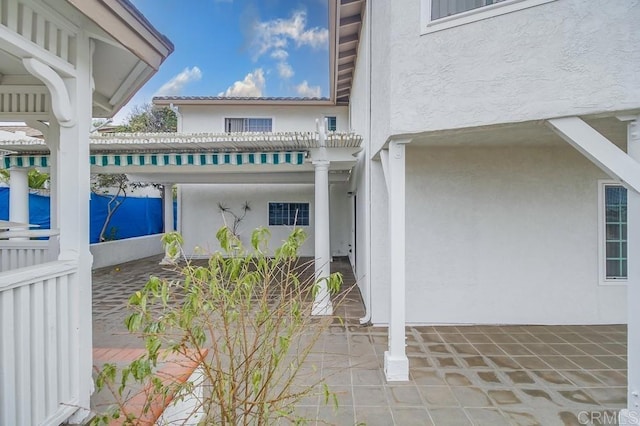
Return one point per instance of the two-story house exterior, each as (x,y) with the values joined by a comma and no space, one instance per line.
(497,167)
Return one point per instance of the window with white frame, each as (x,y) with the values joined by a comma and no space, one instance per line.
(332,124)
(613,219)
(441,14)
(289,214)
(442,8)
(233,125)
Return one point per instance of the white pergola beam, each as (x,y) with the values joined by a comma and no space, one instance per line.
(597,148)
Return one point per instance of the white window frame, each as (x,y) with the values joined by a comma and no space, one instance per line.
(484,12)
(602,256)
(273,122)
(331,116)
(290,202)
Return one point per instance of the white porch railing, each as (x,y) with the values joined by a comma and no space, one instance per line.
(18,254)
(39,344)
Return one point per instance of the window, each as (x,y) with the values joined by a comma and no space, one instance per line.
(232,125)
(332,123)
(442,8)
(289,214)
(614,231)
(442,14)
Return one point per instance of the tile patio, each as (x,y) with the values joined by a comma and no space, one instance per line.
(460,375)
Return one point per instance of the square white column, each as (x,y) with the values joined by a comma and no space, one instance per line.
(396,363)
(19,196)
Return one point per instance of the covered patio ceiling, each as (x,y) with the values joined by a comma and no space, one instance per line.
(529,133)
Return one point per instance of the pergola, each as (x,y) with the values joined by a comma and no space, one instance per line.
(62,62)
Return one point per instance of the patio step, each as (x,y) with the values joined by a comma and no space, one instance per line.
(172,368)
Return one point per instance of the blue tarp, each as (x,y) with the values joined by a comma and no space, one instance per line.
(135,217)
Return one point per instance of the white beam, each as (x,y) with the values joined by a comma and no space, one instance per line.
(396,363)
(597,148)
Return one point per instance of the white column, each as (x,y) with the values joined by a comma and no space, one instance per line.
(167,199)
(167,203)
(396,363)
(322,304)
(19,195)
(74,194)
(633,285)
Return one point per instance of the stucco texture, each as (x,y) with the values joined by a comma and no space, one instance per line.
(563,58)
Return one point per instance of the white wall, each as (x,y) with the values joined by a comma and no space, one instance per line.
(295,118)
(200,219)
(120,251)
(562,58)
(503,235)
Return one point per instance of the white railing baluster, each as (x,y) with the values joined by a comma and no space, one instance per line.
(64,382)
(37,353)
(64,45)
(7,361)
(51,345)
(27,22)
(22,323)
(40,30)
(12,15)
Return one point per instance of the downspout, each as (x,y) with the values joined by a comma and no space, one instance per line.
(366,319)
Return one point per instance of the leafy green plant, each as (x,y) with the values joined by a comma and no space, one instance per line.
(245,317)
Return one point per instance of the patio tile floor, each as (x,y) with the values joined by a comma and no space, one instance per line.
(475,375)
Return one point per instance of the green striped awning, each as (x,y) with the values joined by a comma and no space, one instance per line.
(169,159)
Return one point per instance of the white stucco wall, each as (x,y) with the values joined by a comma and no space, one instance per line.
(200,219)
(293,118)
(508,241)
(562,58)
(120,251)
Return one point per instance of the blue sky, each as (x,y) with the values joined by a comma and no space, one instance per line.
(239,48)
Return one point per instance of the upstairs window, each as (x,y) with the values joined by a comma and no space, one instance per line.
(289,214)
(438,15)
(442,8)
(332,124)
(235,125)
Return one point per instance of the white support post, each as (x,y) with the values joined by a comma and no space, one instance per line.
(74,192)
(632,413)
(322,304)
(19,196)
(396,363)
(167,201)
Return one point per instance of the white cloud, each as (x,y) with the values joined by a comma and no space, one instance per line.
(284,70)
(280,54)
(307,91)
(174,86)
(276,34)
(252,85)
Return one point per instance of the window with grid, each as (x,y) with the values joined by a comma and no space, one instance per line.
(442,8)
(332,123)
(615,232)
(289,214)
(233,125)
